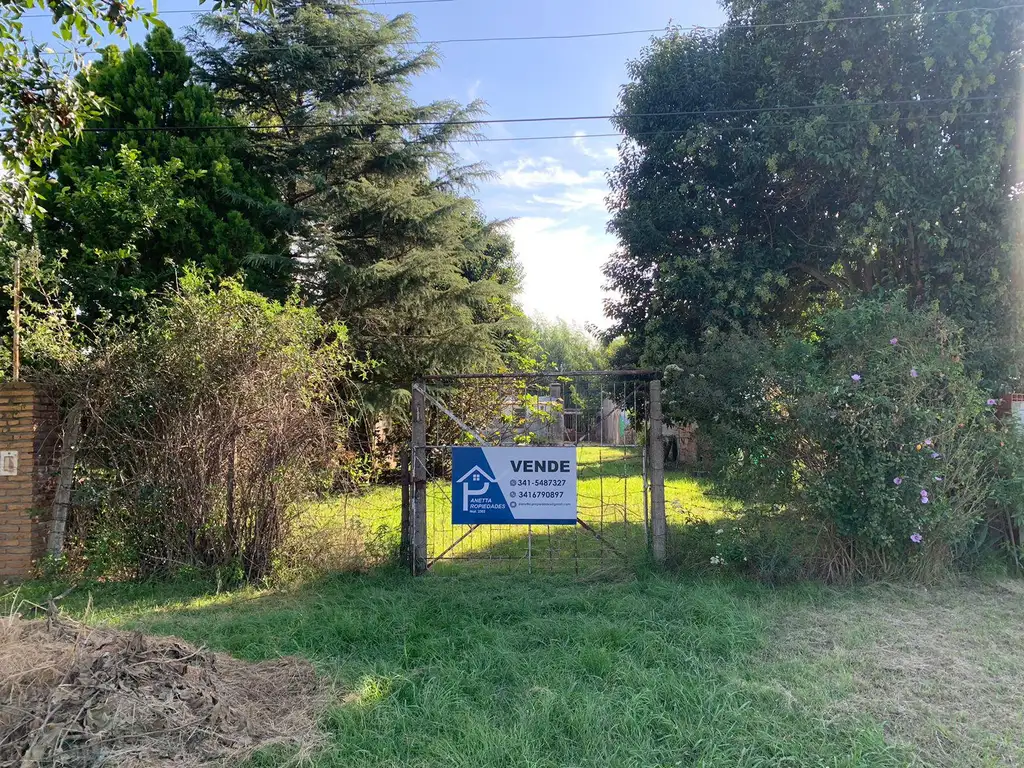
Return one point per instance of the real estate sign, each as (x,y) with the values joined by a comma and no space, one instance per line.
(514,486)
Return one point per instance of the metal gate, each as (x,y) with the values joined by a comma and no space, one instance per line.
(610,418)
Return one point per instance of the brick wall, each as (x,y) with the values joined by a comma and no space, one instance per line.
(28,425)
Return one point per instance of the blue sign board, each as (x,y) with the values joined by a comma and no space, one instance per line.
(514,486)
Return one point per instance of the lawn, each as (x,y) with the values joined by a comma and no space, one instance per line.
(551,664)
(495,669)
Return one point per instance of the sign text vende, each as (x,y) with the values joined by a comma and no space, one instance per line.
(514,485)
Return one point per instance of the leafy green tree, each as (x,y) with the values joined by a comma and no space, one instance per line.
(384,236)
(44,106)
(567,347)
(135,202)
(776,167)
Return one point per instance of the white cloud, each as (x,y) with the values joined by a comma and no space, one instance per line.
(573,200)
(530,173)
(595,148)
(562,268)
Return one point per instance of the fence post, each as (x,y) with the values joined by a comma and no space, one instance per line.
(657,449)
(72,433)
(405,480)
(419,479)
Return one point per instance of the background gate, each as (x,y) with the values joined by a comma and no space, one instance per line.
(609,416)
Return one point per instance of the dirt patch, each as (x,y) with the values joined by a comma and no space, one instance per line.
(941,669)
(73,697)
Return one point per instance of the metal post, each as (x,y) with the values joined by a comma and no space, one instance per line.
(419,479)
(405,479)
(657,449)
(645,477)
(16,336)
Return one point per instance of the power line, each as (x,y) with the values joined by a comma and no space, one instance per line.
(447,41)
(510,120)
(592,35)
(922,119)
(880,16)
(692,27)
(723,128)
(211,10)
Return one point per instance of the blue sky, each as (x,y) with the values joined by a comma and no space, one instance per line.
(554,189)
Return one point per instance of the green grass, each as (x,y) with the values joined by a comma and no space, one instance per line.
(474,667)
(499,670)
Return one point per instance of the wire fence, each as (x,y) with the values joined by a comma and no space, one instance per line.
(603,417)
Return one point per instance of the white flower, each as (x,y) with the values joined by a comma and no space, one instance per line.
(716,560)
(720,531)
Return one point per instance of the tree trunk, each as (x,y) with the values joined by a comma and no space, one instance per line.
(65,480)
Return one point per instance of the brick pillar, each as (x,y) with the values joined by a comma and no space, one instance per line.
(28,426)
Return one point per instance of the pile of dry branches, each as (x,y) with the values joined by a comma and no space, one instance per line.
(75,697)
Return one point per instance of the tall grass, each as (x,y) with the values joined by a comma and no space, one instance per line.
(543,671)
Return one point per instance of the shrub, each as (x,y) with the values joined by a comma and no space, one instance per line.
(866,442)
(204,430)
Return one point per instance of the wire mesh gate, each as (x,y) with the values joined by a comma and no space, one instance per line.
(608,416)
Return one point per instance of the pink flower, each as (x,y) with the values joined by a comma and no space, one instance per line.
(917,538)
(897,481)
(913,372)
(856,377)
(927,441)
(924,499)
(894,341)
(924,493)
(991,402)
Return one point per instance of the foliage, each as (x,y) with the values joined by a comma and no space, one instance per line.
(564,346)
(1006,520)
(207,426)
(52,345)
(133,206)
(43,104)
(384,238)
(772,171)
(871,435)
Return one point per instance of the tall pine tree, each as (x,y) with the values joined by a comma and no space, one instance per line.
(385,237)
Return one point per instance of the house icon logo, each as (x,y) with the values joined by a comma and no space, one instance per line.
(475,482)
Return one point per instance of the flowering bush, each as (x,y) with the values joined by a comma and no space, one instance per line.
(868,432)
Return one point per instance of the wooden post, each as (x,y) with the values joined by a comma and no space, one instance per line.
(419,479)
(62,497)
(405,479)
(16,336)
(657,448)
